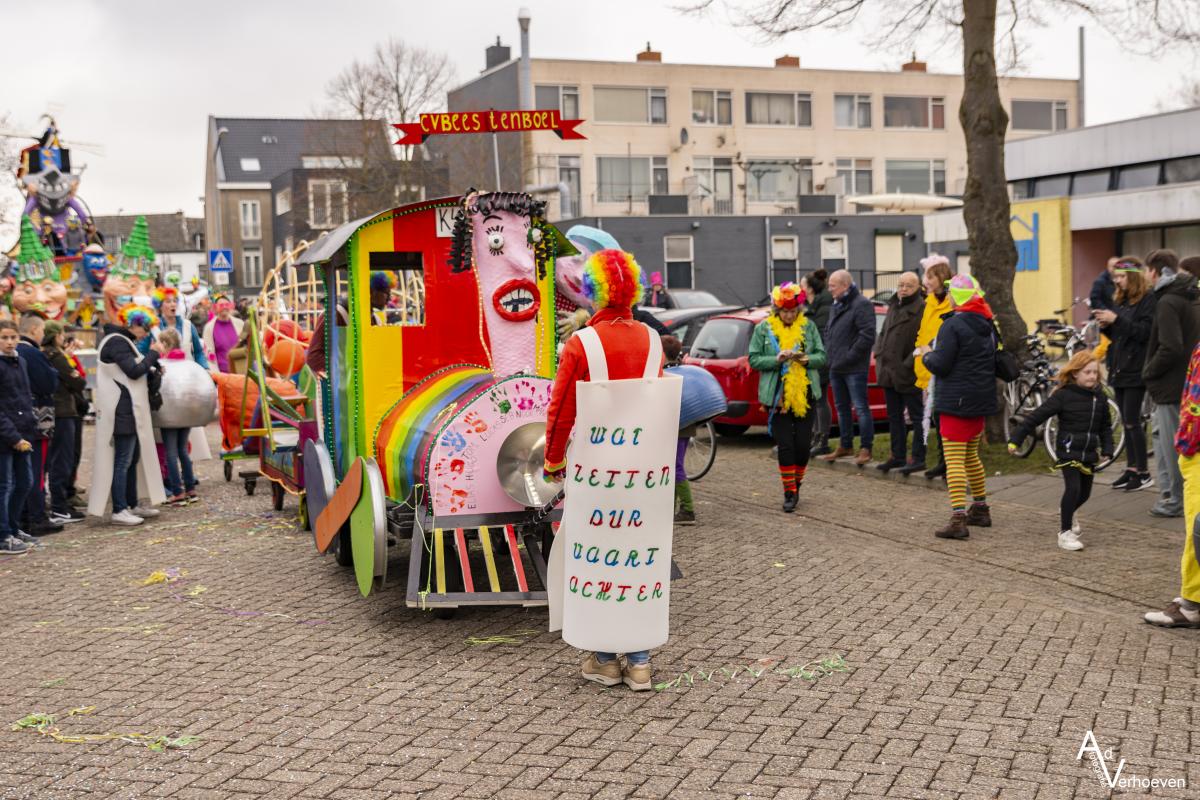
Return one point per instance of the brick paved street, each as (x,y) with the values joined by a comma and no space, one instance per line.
(977,666)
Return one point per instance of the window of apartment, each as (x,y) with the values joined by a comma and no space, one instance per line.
(327,203)
(619,179)
(714,176)
(250,214)
(1091,182)
(252,267)
(250,165)
(677,253)
(833,251)
(1019,190)
(1053,186)
(1039,115)
(283,201)
(785,259)
(914,112)
(779,108)
(1182,170)
(563,98)
(331,162)
(712,107)
(852,110)
(855,174)
(569,173)
(916,176)
(1138,177)
(659,176)
(776,181)
(889,252)
(619,104)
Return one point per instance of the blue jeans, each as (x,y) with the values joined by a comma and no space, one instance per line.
(16,478)
(125,464)
(175,442)
(640,657)
(849,390)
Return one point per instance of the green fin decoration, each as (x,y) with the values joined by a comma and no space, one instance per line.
(34,261)
(137,257)
(565,248)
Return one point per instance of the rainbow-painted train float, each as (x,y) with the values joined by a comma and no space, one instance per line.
(433,409)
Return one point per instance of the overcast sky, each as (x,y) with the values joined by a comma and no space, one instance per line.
(140,77)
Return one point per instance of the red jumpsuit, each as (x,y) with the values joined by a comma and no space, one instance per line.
(626,347)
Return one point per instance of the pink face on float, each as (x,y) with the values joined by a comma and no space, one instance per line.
(46,296)
(503,244)
(121,290)
(568,278)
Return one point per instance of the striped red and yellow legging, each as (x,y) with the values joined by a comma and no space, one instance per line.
(964,469)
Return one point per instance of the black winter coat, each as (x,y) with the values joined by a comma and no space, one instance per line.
(1130,333)
(894,350)
(1103,289)
(1084,426)
(43,377)
(1172,336)
(850,334)
(819,306)
(70,384)
(964,364)
(16,403)
(122,351)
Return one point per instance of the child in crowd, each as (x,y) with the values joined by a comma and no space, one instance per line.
(17,431)
(685,513)
(1084,436)
(181,488)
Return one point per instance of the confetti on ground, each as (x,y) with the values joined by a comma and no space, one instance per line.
(779,565)
(44,725)
(811,671)
(164,576)
(196,591)
(56,682)
(519,637)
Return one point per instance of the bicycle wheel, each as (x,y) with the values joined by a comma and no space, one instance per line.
(1050,436)
(1020,392)
(701,452)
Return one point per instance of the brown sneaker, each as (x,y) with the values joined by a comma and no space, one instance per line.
(840,452)
(979,516)
(957,529)
(606,674)
(637,676)
(864,455)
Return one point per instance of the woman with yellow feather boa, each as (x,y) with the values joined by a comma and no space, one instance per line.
(787,351)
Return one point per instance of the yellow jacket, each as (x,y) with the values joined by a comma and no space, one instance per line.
(931,322)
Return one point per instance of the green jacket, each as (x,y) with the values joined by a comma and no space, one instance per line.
(763,351)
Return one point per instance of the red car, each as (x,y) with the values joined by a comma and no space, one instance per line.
(722,347)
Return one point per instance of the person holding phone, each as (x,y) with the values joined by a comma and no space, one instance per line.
(787,351)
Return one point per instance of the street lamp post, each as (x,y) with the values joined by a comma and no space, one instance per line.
(217,194)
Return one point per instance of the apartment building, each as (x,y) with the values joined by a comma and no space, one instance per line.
(710,139)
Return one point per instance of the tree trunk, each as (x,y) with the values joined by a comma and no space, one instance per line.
(985,201)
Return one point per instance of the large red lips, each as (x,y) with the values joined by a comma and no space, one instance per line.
(517,300)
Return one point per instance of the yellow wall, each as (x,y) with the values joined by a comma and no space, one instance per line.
(1039,292)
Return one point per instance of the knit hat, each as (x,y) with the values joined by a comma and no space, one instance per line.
(787,295)
(612,278)
(963,288)
(52,328)
(934,258)
(656,277)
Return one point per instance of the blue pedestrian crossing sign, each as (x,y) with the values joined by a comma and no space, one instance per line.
(220,260)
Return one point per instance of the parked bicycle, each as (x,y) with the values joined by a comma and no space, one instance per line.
(701,452)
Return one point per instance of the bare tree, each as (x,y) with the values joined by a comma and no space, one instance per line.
(984,28)
(1185,95)
(10,196)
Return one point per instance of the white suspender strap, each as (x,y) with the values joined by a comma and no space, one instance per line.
(593,350)
(655,356)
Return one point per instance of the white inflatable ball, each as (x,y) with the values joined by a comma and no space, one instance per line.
(188,393)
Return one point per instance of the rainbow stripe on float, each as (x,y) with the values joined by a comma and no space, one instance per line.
(407,431)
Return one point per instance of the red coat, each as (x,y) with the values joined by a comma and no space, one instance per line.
(626,347)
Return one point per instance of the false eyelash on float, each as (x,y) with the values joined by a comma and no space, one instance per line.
(494,229)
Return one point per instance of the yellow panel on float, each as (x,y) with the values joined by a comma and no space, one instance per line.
(379,378)
(547,340)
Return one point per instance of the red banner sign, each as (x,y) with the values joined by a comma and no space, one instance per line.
(487,122)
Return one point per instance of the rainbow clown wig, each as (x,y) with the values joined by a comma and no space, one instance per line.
(612,278)
(787,295)
(133,314)
(383,281)
(162,293)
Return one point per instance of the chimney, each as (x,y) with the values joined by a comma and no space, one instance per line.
(497,54)
(788,61)
(650,55)
(913,66)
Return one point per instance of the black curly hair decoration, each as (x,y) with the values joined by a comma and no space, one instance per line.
(513,202)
